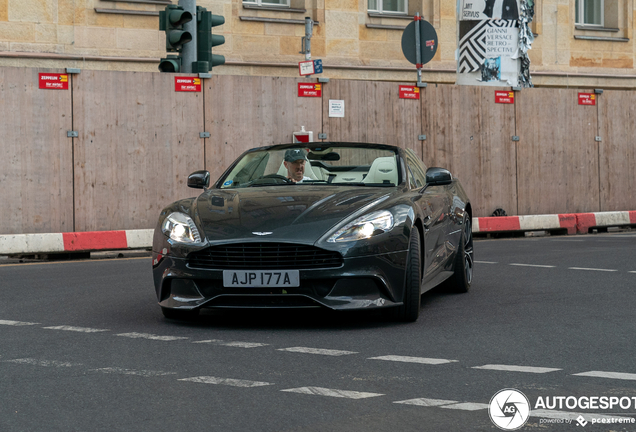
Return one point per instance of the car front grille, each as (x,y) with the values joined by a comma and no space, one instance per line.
(264,256)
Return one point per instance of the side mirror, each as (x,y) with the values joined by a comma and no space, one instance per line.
(438,177)
(199,179)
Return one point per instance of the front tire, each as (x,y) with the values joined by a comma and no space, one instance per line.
(462,277)
(410,309)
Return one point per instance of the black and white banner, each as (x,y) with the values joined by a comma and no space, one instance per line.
(488,43)
(485,39)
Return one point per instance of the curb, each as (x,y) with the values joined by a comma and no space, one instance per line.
(574,223)
(93,241)
(75,242)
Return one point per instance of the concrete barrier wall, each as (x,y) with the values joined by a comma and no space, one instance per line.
(138,140)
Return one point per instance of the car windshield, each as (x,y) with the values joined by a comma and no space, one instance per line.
(371,166)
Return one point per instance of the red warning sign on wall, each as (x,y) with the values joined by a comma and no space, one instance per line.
(309,90)
(53,81)
(187,84)
(587,99)
(504,97)
(409,92)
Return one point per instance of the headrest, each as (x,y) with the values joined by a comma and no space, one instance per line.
(383,168)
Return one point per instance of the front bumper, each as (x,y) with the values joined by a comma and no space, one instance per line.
(360,283)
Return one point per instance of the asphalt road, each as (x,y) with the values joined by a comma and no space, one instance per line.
(84,347)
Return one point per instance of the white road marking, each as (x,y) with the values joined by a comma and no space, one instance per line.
(232,344)
(46,363)
(632,272)
(422,360)
(226,381)
(466,406)
(122,371)
(613,375)
(532,265)
(150,336)
(76,329)
(592,269)
(319,391)
(486,262)
(513,368)
(317,351)
(426,402)
(16,323)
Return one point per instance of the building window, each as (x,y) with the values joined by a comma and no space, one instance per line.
(590,12)
(283,3)
(388,6)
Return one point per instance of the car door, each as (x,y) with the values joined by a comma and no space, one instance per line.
(433,205)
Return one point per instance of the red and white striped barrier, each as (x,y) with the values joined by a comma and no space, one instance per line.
(75,242)
(16,244)
(572,222)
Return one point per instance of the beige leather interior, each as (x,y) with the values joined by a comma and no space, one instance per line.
(382,169)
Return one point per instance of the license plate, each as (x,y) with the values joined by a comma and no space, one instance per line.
(261,278)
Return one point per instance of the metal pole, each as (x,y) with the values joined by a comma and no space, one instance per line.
(189,50)
(418,48)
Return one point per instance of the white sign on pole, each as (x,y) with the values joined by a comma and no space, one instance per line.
(306,67)
(336,108)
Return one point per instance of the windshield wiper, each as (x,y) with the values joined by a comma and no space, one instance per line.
(269,184)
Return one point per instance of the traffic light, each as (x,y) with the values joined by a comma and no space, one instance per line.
(171,20)
(206,40)
(171,64)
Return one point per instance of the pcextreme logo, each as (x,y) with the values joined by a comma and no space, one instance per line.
(509,409)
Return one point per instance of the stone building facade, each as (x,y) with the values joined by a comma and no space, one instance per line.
(356,39)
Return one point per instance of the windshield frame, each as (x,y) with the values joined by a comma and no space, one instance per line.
(316,146)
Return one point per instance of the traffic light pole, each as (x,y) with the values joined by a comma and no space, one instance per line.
(309,28)
(189,51)
(188,30)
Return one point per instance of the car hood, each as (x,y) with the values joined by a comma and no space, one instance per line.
(281,213)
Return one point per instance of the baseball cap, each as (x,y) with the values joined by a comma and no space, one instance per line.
(293,155)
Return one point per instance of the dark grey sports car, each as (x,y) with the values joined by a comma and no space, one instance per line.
(333,225)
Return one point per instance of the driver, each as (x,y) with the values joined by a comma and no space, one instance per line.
(295,163)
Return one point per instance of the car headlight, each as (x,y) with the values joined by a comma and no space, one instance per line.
(364,227)
(180,227)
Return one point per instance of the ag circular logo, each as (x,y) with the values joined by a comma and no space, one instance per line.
(509,409)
